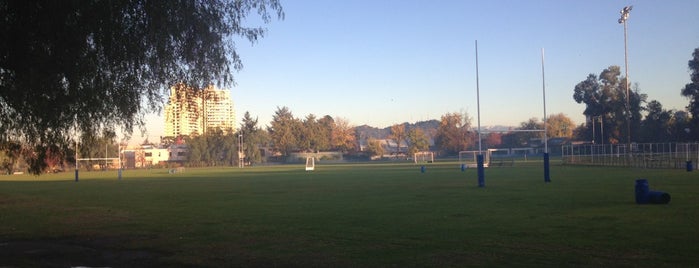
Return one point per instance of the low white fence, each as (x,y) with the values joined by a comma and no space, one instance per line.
(644,155)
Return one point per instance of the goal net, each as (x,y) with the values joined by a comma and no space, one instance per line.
(423,157)
(469,158)
(310,163)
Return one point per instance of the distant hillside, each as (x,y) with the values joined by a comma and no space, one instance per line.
(493,128)
(428,127)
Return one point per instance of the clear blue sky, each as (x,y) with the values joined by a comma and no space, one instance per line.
(392,61)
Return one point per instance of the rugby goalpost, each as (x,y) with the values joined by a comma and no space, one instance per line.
(480,157)
(97,160)
(105,159)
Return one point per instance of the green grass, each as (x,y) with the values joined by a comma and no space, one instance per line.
(359,215)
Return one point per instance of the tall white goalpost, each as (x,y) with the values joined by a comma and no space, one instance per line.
(480,157)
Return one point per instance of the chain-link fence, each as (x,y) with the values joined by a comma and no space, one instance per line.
(644,155)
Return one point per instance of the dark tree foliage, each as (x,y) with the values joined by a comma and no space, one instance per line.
(253,138)
(314,136)
(71,67)
(605,97)
(453,133)
(284,130)
(657,125)
(691,91)
(399,135)
(417,141)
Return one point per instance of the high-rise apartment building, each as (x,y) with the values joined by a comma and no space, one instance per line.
(192,112)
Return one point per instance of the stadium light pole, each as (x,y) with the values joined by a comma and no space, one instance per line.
(624,17)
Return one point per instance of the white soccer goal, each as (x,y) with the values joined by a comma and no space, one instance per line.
(176,170)
(469,158)
(310,163)
(423,157)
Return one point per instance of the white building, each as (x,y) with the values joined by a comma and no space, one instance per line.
(218,110)
(147,156)
(192,112)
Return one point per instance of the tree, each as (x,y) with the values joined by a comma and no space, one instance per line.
(655,127)
(680,127)
(12,153)
(580,133)
(54,159)
(343,135)
(374,147)
(518,139)
(493,140)
(325,132)
(166,141)
(197,148)
(230,150)
(312,135)
(253,138)
(83,66)
(452,134)
(559,125)
(283,130)
(216,146)
(605,96)
(417,141)
(93,145)
(691,91)
(398,135)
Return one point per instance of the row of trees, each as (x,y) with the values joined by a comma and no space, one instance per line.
(285,134)
(415,138)
(608,111)
(290,134)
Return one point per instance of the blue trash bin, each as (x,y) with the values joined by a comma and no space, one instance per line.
(658,197)
(642,190)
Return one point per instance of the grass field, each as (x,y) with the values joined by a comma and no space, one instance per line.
(358,215)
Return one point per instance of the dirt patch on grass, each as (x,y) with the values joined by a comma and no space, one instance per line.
(67,253)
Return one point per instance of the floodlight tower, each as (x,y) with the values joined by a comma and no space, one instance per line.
(624,17)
